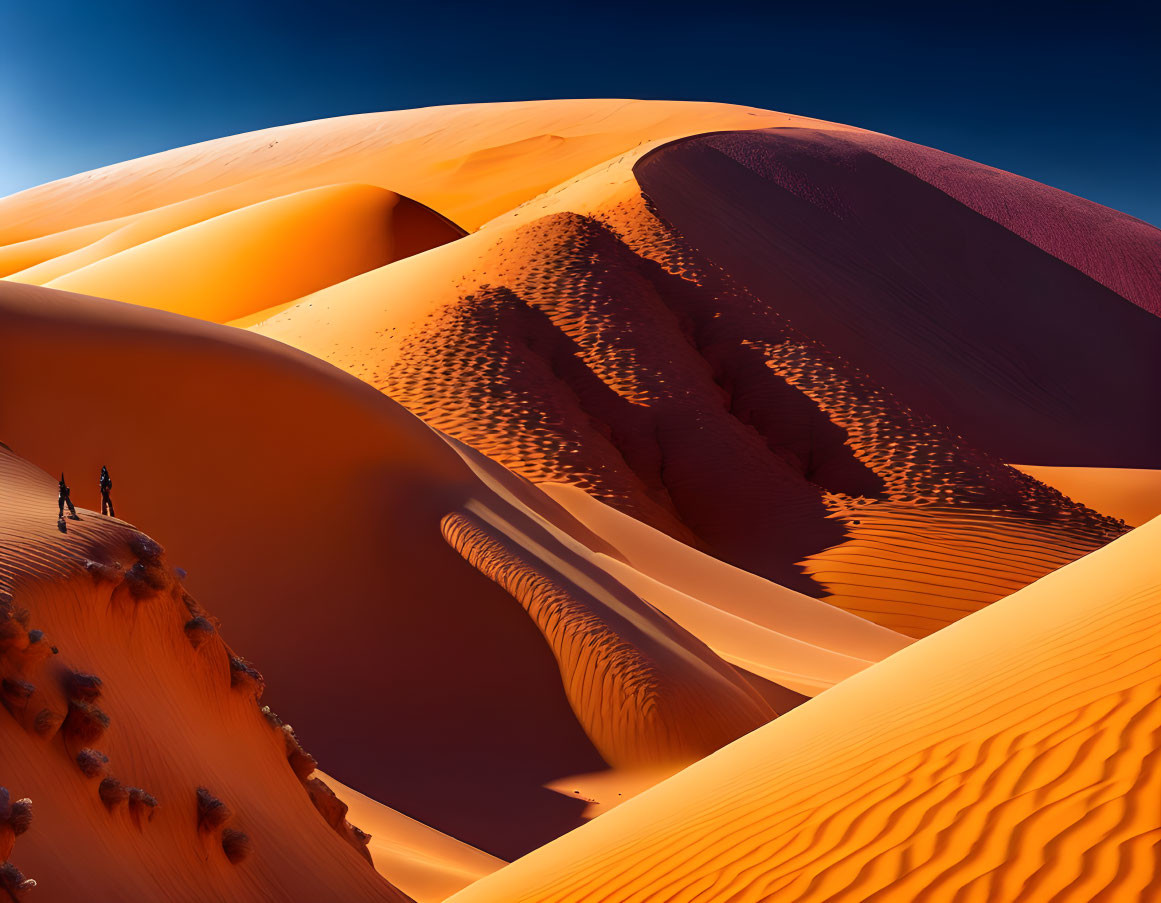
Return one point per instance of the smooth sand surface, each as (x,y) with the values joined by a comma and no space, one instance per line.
(426,865)
(1010,756)
(99,600)
(1132,494)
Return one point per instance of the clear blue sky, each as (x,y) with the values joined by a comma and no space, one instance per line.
(1066,93)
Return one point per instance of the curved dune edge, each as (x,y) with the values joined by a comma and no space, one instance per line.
(168,707)
(580,339)
(423,863)
(240,262)
(959,766)
(1134,495)
(647,693)
(469,162)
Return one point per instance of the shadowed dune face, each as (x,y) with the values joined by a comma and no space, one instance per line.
(945,308)
(117,711)
(329,560)
(601,350)
(1011,756)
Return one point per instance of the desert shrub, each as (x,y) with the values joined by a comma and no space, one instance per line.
(141,805)
(112,792)
(198,630)
(91,762)
(212,812)
(13,880)
(145,579)
(236,845)
(84,723)
(244,674)
(46,722)
(360,835)
(146,549)
(81,686)
(20,817)
(269,714)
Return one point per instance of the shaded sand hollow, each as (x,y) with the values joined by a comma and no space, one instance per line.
(1011,756)
(421,553)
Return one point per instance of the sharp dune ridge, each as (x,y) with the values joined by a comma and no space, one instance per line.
(682,500)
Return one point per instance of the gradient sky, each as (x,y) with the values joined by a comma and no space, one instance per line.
(1066,93)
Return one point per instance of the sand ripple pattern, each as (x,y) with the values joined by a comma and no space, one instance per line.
(646,692)
(1012,757)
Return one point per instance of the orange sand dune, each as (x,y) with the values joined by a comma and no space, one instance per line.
(469,162)
(582,340)
(784,636)
(243,261)
(1011,756)
(1134,495)
(121,700)
(424,864)
(308,539)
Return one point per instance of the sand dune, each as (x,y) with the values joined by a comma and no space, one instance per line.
(1011,756)
(582,340)
(101,649)
(469,162)
(424,864)
(1134,495)
(381,598)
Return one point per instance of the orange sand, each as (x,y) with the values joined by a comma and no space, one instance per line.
(1011,756)
(424,864)
(1134,495)
(108,606)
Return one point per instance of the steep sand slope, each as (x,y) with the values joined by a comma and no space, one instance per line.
(1012,756)
(238,262)
(469,162)
(1011,346)
(424,864)
(784,636)
(314,511)
(582,340)
(1134,495)
(102,649)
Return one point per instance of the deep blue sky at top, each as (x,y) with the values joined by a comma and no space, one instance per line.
(1067,93)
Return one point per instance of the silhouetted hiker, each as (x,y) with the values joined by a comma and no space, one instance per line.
(106,484)
(63,499)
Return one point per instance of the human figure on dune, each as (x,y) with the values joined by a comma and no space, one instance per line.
(106,484)
(63,499)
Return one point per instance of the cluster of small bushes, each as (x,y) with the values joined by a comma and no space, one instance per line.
(84,723)
(15,819)
(245,675)
(213,814)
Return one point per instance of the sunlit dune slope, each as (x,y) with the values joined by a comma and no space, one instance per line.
(120,702)
(583,340)
(1012,756)
(469,162)
(424,864)
(244,261)
(314,511)
(1133,495)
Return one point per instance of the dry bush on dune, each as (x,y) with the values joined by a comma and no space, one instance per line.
(84,723)
(13,880)
(198,630)
(92,762)
(141,805)
(212,812)
(236,845)
(81,686)
(112,792)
